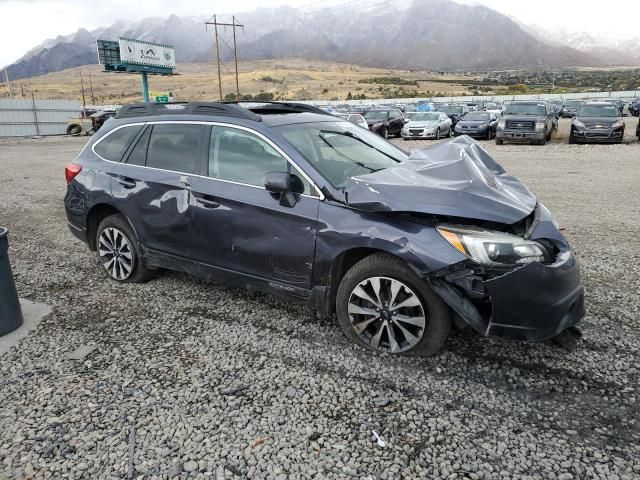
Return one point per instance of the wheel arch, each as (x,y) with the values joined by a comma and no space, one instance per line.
(339,267)
(96,214)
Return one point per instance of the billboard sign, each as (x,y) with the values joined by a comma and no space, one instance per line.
(138,52)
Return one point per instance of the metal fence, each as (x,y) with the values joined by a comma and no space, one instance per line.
(624,95)
(23,118)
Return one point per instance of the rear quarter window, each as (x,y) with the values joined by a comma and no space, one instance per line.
(113,146)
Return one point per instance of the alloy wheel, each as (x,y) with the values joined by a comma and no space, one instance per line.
(386,314)
(115,253)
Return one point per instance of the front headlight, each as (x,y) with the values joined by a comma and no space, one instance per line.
(540,125)
(618,124)
(376,125)
(458,127)
(501,124)
(484,125)
(492,248)
(579,124)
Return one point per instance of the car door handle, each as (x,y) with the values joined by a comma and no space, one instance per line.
(207,201)
(127,182)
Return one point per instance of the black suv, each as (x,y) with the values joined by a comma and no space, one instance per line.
(287,199)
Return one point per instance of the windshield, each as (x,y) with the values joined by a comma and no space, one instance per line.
(476,117)
(598,111)
(422,116)
(490,106)
(573,103)
(526,109)
(451,109)
(341,150)
(376,115)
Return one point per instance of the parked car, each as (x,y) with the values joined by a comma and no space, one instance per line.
(286,199)
(556,106)
(455,112)
(98,118)
(598,122)
(385,122)
(638,131)
(570,108)
(526,121)
(634,107)
(424,125)
(616,101)
(477,125)
(354,118)
(493,107)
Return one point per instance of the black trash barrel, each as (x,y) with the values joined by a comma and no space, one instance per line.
(10,313)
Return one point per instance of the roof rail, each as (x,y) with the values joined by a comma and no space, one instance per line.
(259,106)
(186,108)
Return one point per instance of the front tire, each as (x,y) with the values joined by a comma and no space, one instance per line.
(499,141)
(383,306)
(438,134)
(385,133)
(118,251)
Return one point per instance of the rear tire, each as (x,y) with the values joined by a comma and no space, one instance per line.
(74,129)
(386,332)
(119,253)
(499,141)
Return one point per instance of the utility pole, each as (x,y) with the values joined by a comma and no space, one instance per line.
(93,101)
(6,74)
(216,24)
(235,58)
(83,100)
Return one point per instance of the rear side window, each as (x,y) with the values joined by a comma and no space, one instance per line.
(113,146)
(138,155)
(176,147)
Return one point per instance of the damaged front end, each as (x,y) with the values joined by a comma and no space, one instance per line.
(534,294)
(519,277)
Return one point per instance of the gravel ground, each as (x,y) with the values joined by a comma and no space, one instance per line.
(180,378)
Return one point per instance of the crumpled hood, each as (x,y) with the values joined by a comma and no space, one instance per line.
(454,178)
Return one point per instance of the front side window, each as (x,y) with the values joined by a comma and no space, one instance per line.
(340,150)
(242,157)
(113,146)
(176,147)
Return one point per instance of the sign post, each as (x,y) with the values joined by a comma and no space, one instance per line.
(137,56)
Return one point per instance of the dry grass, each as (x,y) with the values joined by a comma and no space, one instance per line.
(297,79)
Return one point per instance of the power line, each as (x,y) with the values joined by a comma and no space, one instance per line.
(217,24)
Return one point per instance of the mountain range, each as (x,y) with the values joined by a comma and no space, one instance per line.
(413,34)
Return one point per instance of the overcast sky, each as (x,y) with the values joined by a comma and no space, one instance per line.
(26,23)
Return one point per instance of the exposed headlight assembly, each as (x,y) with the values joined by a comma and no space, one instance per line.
(495,249)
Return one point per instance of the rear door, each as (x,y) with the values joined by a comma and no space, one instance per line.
(241,227)
(152,186)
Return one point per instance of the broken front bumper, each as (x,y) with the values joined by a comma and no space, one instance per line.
(533,302)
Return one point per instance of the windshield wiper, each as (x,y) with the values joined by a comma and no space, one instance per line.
(354,136)
(360,164)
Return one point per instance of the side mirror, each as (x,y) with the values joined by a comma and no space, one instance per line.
(277,182)
(406,120)
(284,185)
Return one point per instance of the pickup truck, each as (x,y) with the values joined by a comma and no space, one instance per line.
(526,121)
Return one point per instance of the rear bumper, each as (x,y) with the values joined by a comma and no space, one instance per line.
(79,233)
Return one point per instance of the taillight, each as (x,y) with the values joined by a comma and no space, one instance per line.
(71,170)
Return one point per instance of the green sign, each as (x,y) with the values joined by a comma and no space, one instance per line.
(162,99)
